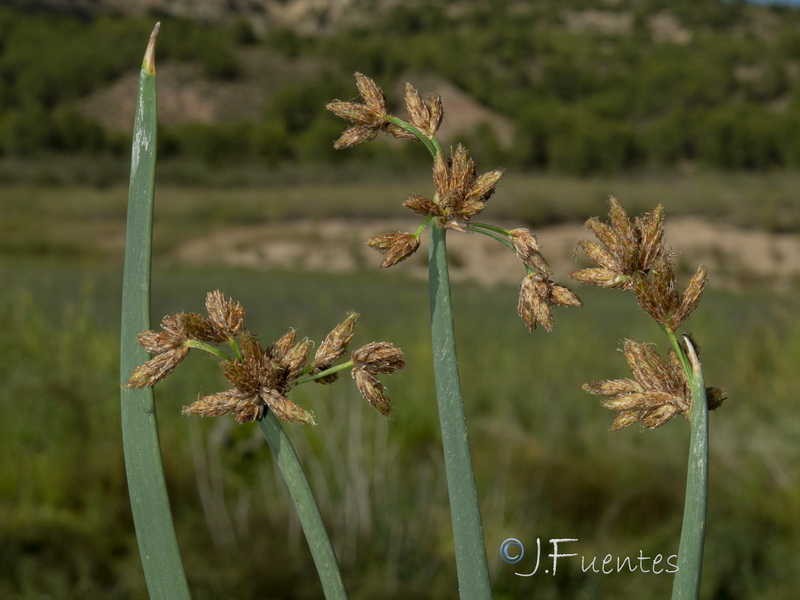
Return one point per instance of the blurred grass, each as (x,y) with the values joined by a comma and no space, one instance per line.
(546,465)
(88,222)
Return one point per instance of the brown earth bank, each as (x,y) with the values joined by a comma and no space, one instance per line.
(736,257)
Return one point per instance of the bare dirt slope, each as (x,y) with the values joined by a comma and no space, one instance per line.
(735,256)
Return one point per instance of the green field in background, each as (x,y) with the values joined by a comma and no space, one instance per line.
(546,465)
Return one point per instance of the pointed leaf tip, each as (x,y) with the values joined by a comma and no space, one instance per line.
(149,63)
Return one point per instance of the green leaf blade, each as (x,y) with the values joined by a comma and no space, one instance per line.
(155,531)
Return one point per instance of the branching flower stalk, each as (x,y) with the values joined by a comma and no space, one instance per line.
(460,194)
(631,255)
(262,378)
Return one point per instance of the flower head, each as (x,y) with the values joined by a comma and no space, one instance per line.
(368,118)
(658,293)
(625,248)
(426,115)
(461,193)
(169,348)
(261,380)
(536,295)
(395,246)
(333,348)
(377,357)
(659,391)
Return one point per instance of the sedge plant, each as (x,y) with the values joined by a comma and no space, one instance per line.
(261,378)
(460,194)
(631,255)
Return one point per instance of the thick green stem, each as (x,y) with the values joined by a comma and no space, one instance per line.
(690,552)
(155,531)
(306,506)
(471,564)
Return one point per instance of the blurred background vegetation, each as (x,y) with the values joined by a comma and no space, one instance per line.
(583,87)
(693,104)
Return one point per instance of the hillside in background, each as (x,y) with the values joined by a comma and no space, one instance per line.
(572,86)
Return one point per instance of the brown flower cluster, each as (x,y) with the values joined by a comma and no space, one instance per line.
(538,292)
(225,320)
(377,357)
(460,195)
(536,295)
(626,248)
(460,192)
(372,114)
(659,391)
(261,377)
(631,255)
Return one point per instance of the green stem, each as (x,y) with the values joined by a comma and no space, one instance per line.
(207,348)
(326,372)
(686,585)
(152,519)
(500,230)
(235,347)
(432,144)
(471,564)
(491,232)
(306,506)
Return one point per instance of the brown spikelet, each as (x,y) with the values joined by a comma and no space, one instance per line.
(333,347)
(372,390)
(279,349)
(422,206)
(562,296)
(226,314)
(368,118)
(635,400)
(355,135)
(295,360)
(659,415)
(650,229)
(625,419)
(286,409)
(612,387)
(621,224)
(372,95)
(198,327)
(600,277)
(483,187)
(626,251)
(156,342)
(599,255)
(215,405)
(690,298)
(436,113)
(659,392)
(606,235)
(532,306)
(657,293)
(441,173)
(715,397)
(418,112)
(378,357)
(395,246)
(157,368)
(527,250)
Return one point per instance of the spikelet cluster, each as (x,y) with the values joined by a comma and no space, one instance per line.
(261,377)
(630,255)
